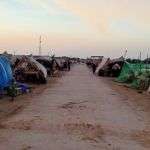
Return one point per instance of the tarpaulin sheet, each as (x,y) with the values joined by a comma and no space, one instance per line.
(6,75)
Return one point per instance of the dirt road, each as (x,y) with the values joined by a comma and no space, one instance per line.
(78,112)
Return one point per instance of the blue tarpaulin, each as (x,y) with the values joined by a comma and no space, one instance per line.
(6,75)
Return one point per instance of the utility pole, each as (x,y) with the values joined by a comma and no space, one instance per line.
(125,54)
(140,57)
(14,53)
(40,46)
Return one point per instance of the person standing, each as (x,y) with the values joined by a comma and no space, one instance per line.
(93,67)
(68,65)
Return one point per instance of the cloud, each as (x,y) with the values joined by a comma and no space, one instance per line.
(47,6)
(101,13)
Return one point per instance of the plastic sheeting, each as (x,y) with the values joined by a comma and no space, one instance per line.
(101,65)
(6,75)
(136,75)
(40,67)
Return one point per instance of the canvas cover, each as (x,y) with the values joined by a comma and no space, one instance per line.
(30,64)
(39,66)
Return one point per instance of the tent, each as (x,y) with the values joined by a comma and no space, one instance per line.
(108,67)
(51,64)
(136,75)
(38,66)
(102,65)
(47,63)
(6,75)
(29,69)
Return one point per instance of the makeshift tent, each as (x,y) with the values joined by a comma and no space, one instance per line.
(6,75)
(51,64)
(102,65)
(137,75)
(39,67)
(108,67)
(47,63)
(29,68)
(114,67)
(141,80)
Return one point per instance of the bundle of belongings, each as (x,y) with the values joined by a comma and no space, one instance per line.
(135,75)
(17,88)
(28,69)
(108,67)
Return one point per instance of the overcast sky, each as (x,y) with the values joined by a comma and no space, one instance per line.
(76,27)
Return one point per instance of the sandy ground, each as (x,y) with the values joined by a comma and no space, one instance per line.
(78,111)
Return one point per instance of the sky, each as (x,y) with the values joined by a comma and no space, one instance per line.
(78,28)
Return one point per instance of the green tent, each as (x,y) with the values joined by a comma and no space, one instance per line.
(136,75)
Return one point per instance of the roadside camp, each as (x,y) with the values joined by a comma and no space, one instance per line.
(135,75)
(20,72)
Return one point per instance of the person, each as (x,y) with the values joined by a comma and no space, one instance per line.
(93,67)
(68,65)
(65,65)
(116,70)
